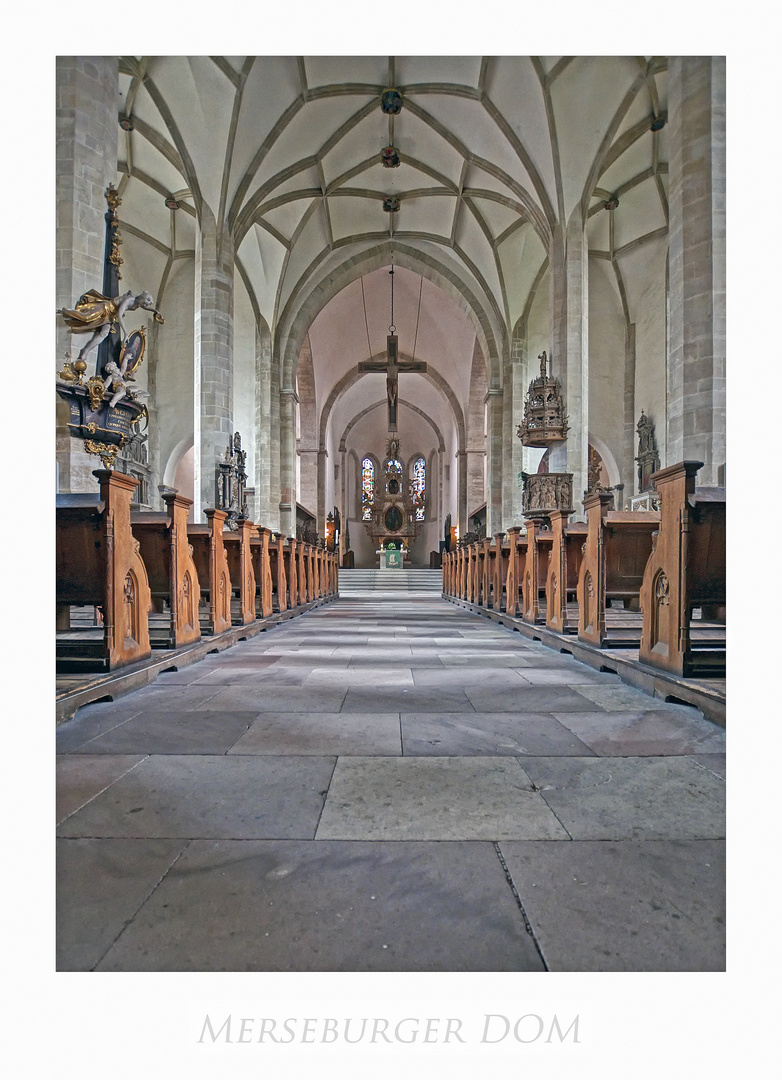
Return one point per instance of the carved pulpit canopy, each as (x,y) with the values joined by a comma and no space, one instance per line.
(545,420)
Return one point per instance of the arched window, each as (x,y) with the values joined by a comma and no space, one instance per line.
(367,488)
(418,488)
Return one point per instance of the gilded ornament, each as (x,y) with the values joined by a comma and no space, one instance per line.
(67,374)
(95,392)
(112,198)
(106,453)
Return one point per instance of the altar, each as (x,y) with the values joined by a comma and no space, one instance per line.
(391,558)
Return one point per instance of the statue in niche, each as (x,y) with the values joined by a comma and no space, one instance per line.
(648,459)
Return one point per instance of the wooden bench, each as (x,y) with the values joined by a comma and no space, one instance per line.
(171,571)
(240,568)
(517,552)
(567,542)
(99,564)
(499,571)
(277,559)
(212,567)
(262,568)
(618,546)
(536,560)
(292,571)
(686,569)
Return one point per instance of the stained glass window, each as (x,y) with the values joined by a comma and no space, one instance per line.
(367,488)
(419,488)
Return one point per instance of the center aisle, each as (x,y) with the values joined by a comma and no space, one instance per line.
(390,785)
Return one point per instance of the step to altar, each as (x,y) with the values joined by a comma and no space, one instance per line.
(358,582)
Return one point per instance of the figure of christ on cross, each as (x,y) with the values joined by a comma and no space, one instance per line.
(392,367)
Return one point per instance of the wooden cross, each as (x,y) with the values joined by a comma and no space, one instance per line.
(392,368)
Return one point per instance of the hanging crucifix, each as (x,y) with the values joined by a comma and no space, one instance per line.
(392,367)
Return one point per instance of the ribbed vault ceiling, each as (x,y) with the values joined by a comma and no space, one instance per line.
(495,152)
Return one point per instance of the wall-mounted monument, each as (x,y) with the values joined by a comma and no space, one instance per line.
(105,409)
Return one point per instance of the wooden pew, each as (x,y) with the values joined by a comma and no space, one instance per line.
(292,571)
(535,568)
(240,568)
(279,574)
(575,539)
(564,564)
(567,542)
(302,572)
(99,563)
(557,575)
(332,574)
(498,572)
(262,570)
(686,569)
(514,571)
(212,568)
(171,571)
(617,548)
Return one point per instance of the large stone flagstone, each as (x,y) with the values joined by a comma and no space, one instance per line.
(651,905)
(329,906)
(658,798)
(434,799)
(237,796)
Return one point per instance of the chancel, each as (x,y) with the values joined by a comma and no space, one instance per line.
(390,645)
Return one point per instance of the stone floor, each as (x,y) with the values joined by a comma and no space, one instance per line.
(390,785)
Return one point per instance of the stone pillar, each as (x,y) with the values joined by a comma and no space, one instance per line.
(344,508)
(321,464)
(213,367)
(494,452)
(461,488)
(263,441)
(570,349)
(274,439)
(86,161)
(515,391)
(696,363)
(287,471)
(629,473)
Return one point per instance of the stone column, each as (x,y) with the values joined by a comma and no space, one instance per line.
(213,367)
(344,508)
(263,364)
(86,161)
(696,363)
(321,463)
(570,349)
(461,488)
(515,392)
(287,472)
(494,463)
(629,473)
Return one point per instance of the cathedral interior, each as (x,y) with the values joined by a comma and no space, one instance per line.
(389,336)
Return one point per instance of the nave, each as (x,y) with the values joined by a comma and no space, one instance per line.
(390,784)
